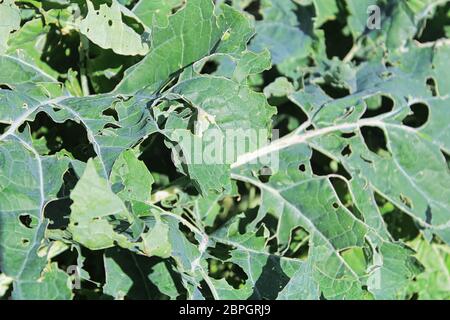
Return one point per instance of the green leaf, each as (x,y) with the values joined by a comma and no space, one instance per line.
(156,242)
(28,182)
(177,45)
(249,149)
(106,28)
(357,20)
(154,12)
(276,31)
(218,128)
(132,276)
(93,204)
(54,284)
(130,178)
(434,283)
(325,10)
(10,17)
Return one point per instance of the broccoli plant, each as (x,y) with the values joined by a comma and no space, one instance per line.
(244,149)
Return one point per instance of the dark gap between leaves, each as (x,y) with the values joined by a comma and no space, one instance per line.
(158,158)
(69,135)
(289,116)
(231,272)
(399,224)
(337,44)
(221,251)
(254,9)
(435,26)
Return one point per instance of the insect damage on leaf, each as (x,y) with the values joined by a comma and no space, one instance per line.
(199,149)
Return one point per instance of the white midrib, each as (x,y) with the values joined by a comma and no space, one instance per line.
(41,200)
(57,102)
(23,62)
(295,139)
(40,173)
(310,224)
(19,121)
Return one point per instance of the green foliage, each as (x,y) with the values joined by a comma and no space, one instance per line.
(116,121)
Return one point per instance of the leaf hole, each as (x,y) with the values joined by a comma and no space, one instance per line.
(250,213)
(190,236)
(366,160)
(231,272)
(399,224)
(347,151)
(323,165)
(110,126)
(3,127)
(111,112)
(4,86)
(270,221)
(334,91)
(356,259)
(378,105)
(264,174)
(431,84)
(58,212)
(302,168)
(155,147)
(299,244)
(419,116)
(376,141)
(210,67)
(221,251)
(268,287)
(28,221)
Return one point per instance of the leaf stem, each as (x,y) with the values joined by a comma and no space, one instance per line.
(351,54)
(294,139)
(210,284)
(84,47)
